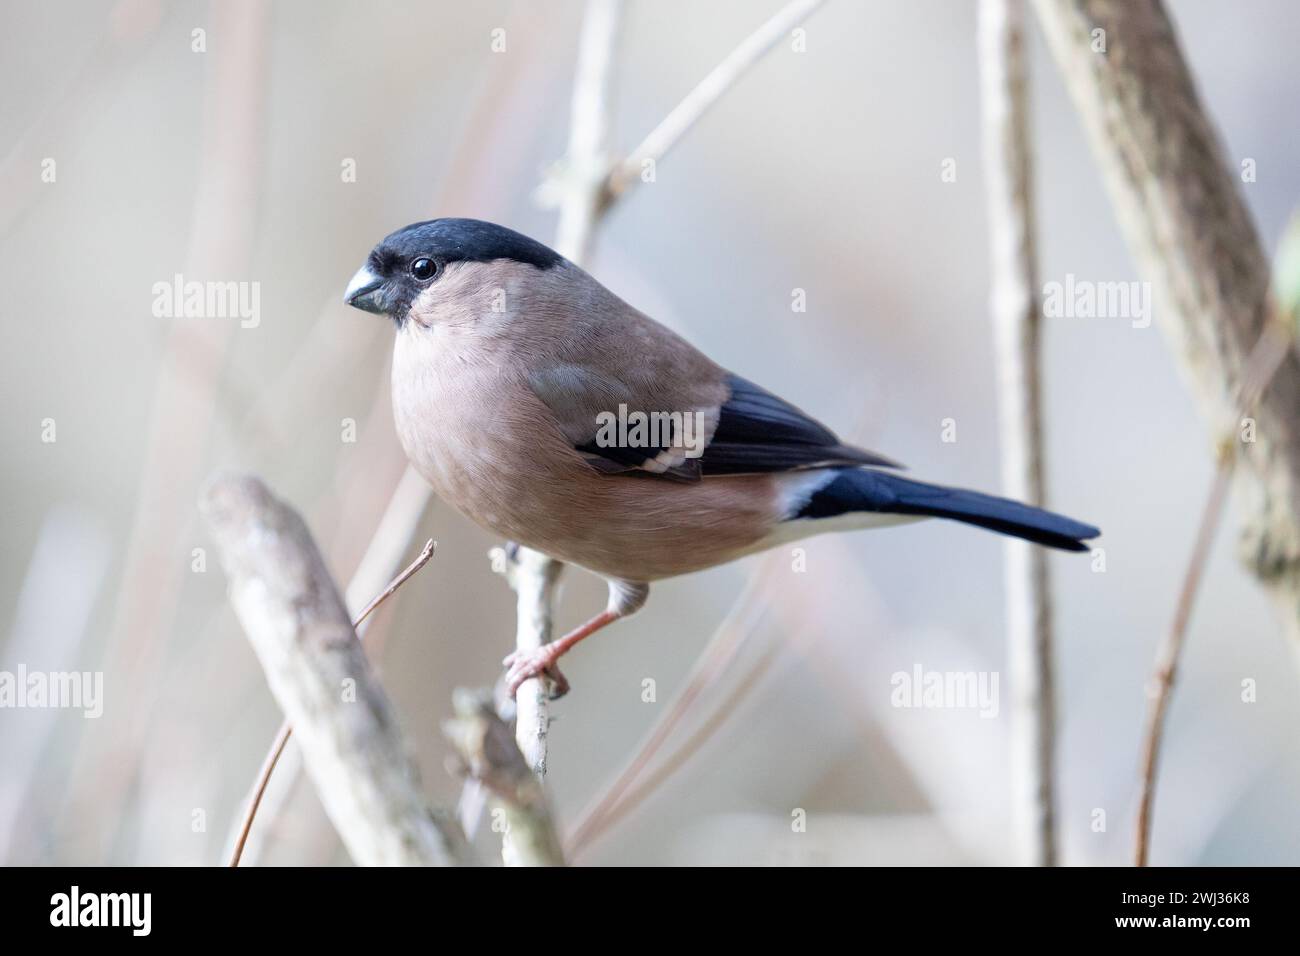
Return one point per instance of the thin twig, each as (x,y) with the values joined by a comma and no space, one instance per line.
(574,243)
(1264,361)
(1017,325)
(421,560)
(534,578)
(586,161)
(286,730)
(259,789)
(709,90)
(531,574)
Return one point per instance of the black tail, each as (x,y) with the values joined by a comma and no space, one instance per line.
(861,489)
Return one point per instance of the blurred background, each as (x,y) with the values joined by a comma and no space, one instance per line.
(821,171)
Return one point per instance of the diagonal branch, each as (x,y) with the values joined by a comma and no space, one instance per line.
(295,619)
(1189,230)
(707,92)
(286,729)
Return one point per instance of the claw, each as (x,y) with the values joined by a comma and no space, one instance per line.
(523,665)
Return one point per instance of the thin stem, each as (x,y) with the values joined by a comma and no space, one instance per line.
(1261,365)
(1167,658)
(709,90)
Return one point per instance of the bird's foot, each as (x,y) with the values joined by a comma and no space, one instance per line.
(523,665)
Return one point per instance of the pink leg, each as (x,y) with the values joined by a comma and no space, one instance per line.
(522,666)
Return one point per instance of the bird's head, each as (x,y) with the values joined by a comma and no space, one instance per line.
(446,269)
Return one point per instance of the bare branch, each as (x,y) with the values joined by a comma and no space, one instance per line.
(286,729)
(710,89)
(387,545)
(295,619)
(584,198)
(531,574)
(488,753)
(534,578)
(587,161)
(1016,324)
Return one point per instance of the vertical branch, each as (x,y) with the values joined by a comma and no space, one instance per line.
(584,199)
(534,578)
(533,575)
(586,163)
(1016,323)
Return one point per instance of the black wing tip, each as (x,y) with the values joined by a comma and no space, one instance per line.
(1071,543)
(851,453)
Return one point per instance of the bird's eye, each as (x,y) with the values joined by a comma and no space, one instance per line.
(424,269)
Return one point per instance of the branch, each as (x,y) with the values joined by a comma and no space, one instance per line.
(584,200)
(1017,325)
(286,729)
(387,546)
(295,619)
(487,753)
(1190,231)
(531,574)
(710,89)
(586,163)
(534,578)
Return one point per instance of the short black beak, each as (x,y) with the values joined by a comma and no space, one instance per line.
(364,292)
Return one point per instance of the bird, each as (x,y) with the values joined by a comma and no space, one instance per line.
(549,411)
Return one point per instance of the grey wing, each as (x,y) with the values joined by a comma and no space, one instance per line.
(749,431)
(590,406)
